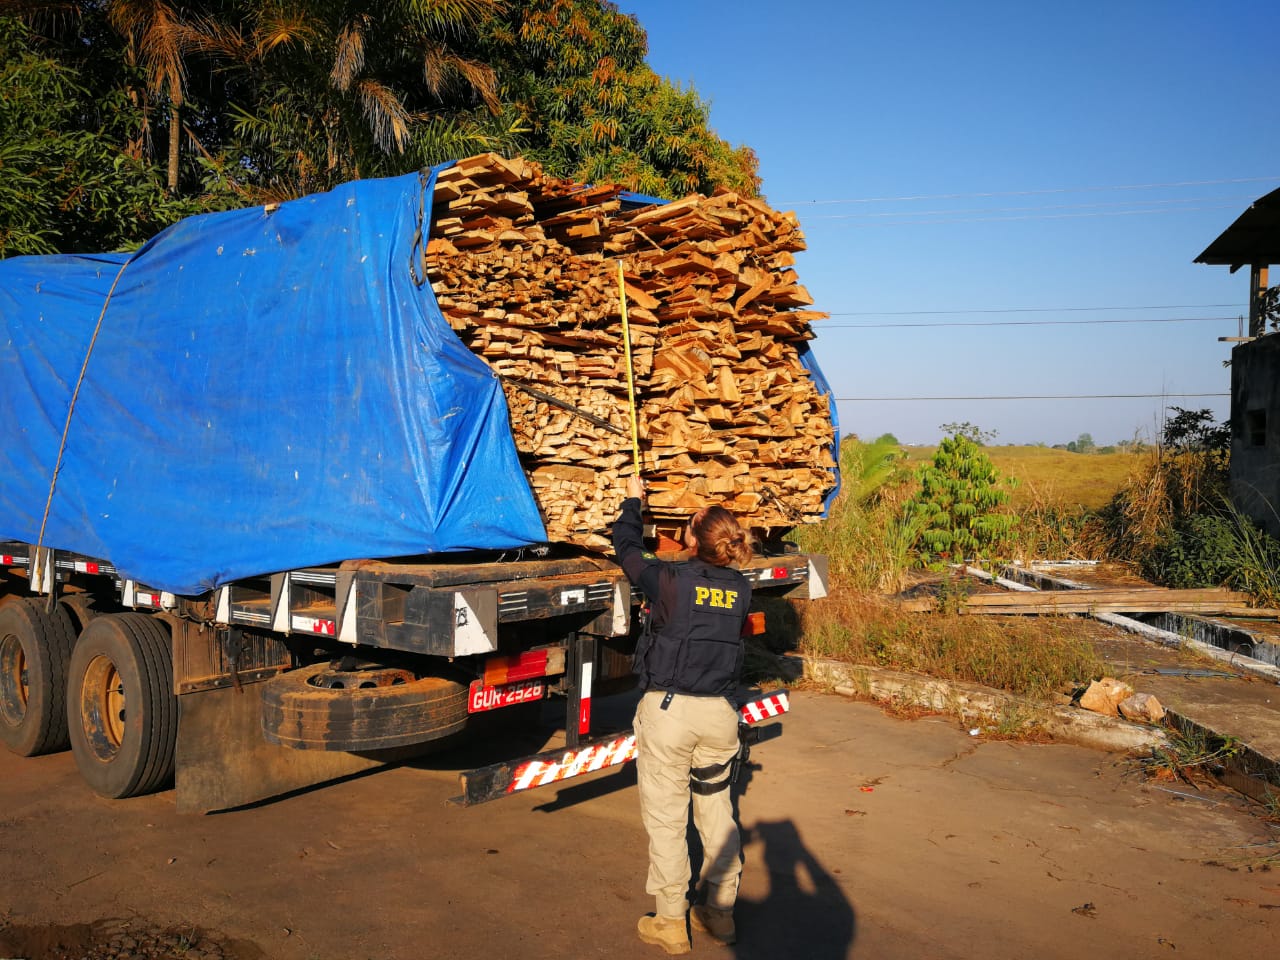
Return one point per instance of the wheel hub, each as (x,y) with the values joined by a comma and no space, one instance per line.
(366,678)
(103,708)
(14,680)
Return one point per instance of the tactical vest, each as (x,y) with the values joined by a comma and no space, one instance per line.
(699,648)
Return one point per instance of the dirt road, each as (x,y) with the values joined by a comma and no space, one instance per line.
(867,836)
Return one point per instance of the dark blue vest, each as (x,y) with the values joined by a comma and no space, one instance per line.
(697,648)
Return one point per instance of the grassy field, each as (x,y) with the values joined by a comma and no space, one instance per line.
(1045,475)
(870,542)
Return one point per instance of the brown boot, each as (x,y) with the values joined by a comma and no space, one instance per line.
(667,932)
(717,924)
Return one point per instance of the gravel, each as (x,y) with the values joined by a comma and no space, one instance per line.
(118,940)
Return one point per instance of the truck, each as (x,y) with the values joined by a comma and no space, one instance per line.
(262,523)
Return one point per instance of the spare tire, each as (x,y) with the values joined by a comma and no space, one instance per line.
(319,708)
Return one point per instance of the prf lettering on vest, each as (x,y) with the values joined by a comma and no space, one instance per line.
(711,597)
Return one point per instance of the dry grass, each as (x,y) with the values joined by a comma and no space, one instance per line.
(1034,657)
(869,544)
(1044,475)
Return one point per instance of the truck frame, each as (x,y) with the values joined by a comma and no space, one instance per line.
(270,684)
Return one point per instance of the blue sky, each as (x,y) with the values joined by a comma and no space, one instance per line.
(1060,158)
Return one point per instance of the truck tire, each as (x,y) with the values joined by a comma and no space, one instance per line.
(121,710)
(81,608)
(35,648)
(313,709)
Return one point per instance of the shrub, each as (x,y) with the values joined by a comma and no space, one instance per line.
(1222,548)
(961,505)
(866,537)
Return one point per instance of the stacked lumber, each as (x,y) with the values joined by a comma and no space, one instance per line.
(525,269)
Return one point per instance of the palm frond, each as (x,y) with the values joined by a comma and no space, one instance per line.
(283,27)
(385,114)
(348,59)
(453,17)
(209,36)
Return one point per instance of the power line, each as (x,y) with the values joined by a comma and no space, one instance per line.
(826,325)
(1054,206)
(1047,216)
(1029,193)
(923,313)
(1061,396)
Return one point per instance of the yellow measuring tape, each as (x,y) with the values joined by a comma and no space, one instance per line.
(631,381)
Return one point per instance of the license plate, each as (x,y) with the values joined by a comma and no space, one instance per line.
(503,695)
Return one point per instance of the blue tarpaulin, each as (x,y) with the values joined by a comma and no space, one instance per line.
(810,363)
(268,389)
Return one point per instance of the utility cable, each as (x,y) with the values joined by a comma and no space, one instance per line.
(1030,193)
(1059,396)
(919,313)
(1053,206)
(826,324)
(1045,216)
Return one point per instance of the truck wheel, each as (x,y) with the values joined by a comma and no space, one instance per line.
(81,609)
(35,648)
(121,710)
(318,708)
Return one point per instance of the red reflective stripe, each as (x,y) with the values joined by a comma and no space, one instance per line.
(537,773)
(781,573)
(765,708)
(524,666)
(6,559)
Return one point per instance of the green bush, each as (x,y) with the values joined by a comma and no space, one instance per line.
(1221,548)
(961,508)
(1199,550)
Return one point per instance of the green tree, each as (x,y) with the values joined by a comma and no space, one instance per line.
(596,112)
(1195,430)
(65,183)
(122,115)
(964,428)
(339,91)
(1082,444)
(157,40)
(961,506)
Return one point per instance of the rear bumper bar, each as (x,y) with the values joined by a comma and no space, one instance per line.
(589,756)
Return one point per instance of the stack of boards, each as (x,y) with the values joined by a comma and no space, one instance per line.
(526,270)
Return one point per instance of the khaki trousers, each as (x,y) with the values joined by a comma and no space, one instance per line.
(691,732)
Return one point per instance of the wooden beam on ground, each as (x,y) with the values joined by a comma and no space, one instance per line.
(1208,601)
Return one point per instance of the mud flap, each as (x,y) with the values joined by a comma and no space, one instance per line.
(223,760)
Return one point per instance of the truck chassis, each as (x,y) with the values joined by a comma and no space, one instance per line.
(270,684)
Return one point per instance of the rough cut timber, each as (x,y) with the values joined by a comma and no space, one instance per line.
(1206,600)
(525,268)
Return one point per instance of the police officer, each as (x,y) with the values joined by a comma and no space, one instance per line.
(689,660)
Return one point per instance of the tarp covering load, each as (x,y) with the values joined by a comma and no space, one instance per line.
(732,408)
(267,389)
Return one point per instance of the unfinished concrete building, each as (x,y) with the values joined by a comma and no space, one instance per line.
(1254,241)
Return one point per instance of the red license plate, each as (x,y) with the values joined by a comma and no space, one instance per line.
(503,695)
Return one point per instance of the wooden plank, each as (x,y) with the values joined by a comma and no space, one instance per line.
(727,409)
